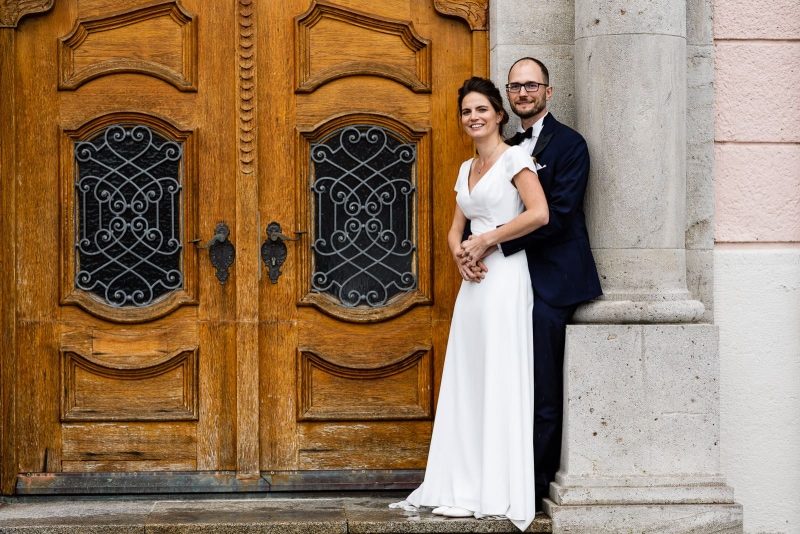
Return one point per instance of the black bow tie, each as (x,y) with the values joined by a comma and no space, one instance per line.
(519,137)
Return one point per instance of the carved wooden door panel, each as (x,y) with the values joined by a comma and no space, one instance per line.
(325,136)
(126,123)
(354,324)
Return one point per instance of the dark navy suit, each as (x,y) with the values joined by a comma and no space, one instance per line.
(563,275)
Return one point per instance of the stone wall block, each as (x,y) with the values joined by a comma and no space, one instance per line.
(611,17)
(669,519)
(700,148)
(642,403)
(550,21)
(700,22)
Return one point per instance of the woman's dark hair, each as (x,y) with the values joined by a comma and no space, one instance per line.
(488,89)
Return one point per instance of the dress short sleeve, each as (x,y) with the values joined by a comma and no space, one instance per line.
(517,158)
(463,174)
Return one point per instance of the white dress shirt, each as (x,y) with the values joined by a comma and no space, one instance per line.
(529,144)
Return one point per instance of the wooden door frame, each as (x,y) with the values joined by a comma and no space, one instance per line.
(247,476)
(10,15)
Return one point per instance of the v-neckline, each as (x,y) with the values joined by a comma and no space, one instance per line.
(469,191)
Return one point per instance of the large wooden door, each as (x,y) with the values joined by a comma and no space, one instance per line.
(354,330)
(325,136)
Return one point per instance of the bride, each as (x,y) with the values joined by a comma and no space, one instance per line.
(480,461)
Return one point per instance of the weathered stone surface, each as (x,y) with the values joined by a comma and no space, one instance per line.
(642,405)
(373,516)
(550,22)
(314,515)
(610,17)
(320,516)
(700,280)
(700,22)
(700,148)
(633,115)
(75,517)
(667,519)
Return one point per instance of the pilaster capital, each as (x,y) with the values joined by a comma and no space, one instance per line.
(11,11)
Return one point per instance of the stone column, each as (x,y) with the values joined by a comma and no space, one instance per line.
(631,85)
(641,374)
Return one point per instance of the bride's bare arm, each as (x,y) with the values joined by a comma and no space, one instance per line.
(535,216)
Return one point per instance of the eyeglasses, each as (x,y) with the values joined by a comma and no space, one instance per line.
(530,87)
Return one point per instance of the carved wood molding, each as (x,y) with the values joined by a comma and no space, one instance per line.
(247,104)
(328,390)
(475,12)
(11,11)
(94,389)
(418,79)
(182,75)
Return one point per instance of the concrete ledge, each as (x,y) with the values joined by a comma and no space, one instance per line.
(664,519)
(222,516)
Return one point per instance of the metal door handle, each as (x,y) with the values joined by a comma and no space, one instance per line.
(221,233)
(273,251)
(220,251)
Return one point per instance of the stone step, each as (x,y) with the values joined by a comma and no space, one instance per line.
(274,515)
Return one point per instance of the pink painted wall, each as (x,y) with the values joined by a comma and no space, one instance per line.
(757,121)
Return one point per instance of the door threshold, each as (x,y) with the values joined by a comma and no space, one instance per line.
(216,482)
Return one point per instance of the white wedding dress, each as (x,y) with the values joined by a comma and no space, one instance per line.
(481,453)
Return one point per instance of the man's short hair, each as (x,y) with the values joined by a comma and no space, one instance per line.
(541,66)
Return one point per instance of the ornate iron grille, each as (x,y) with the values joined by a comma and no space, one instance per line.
(364,199)
(128,236)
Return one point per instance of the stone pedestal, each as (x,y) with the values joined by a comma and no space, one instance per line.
(641,432)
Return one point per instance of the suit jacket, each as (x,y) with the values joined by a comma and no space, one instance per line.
(560,259)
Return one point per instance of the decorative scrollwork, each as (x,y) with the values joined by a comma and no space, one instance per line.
(128,231)
(364,199)
(11,11)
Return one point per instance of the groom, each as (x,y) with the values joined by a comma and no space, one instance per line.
(562,269)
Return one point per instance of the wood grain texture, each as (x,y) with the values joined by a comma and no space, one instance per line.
(247,267)
(278,185)
(329,391)
(247,135)
(8,288)
(334,42)
(162,390)
(90,446)
(216,427)
(114,44)
(11,11)
(364,445)
(356,346)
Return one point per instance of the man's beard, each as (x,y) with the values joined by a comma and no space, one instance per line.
(537,108)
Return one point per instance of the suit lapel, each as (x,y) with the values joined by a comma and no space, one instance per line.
(545,135)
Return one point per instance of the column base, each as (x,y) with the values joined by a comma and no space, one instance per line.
(640,490)
(663,518)
(608,311)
